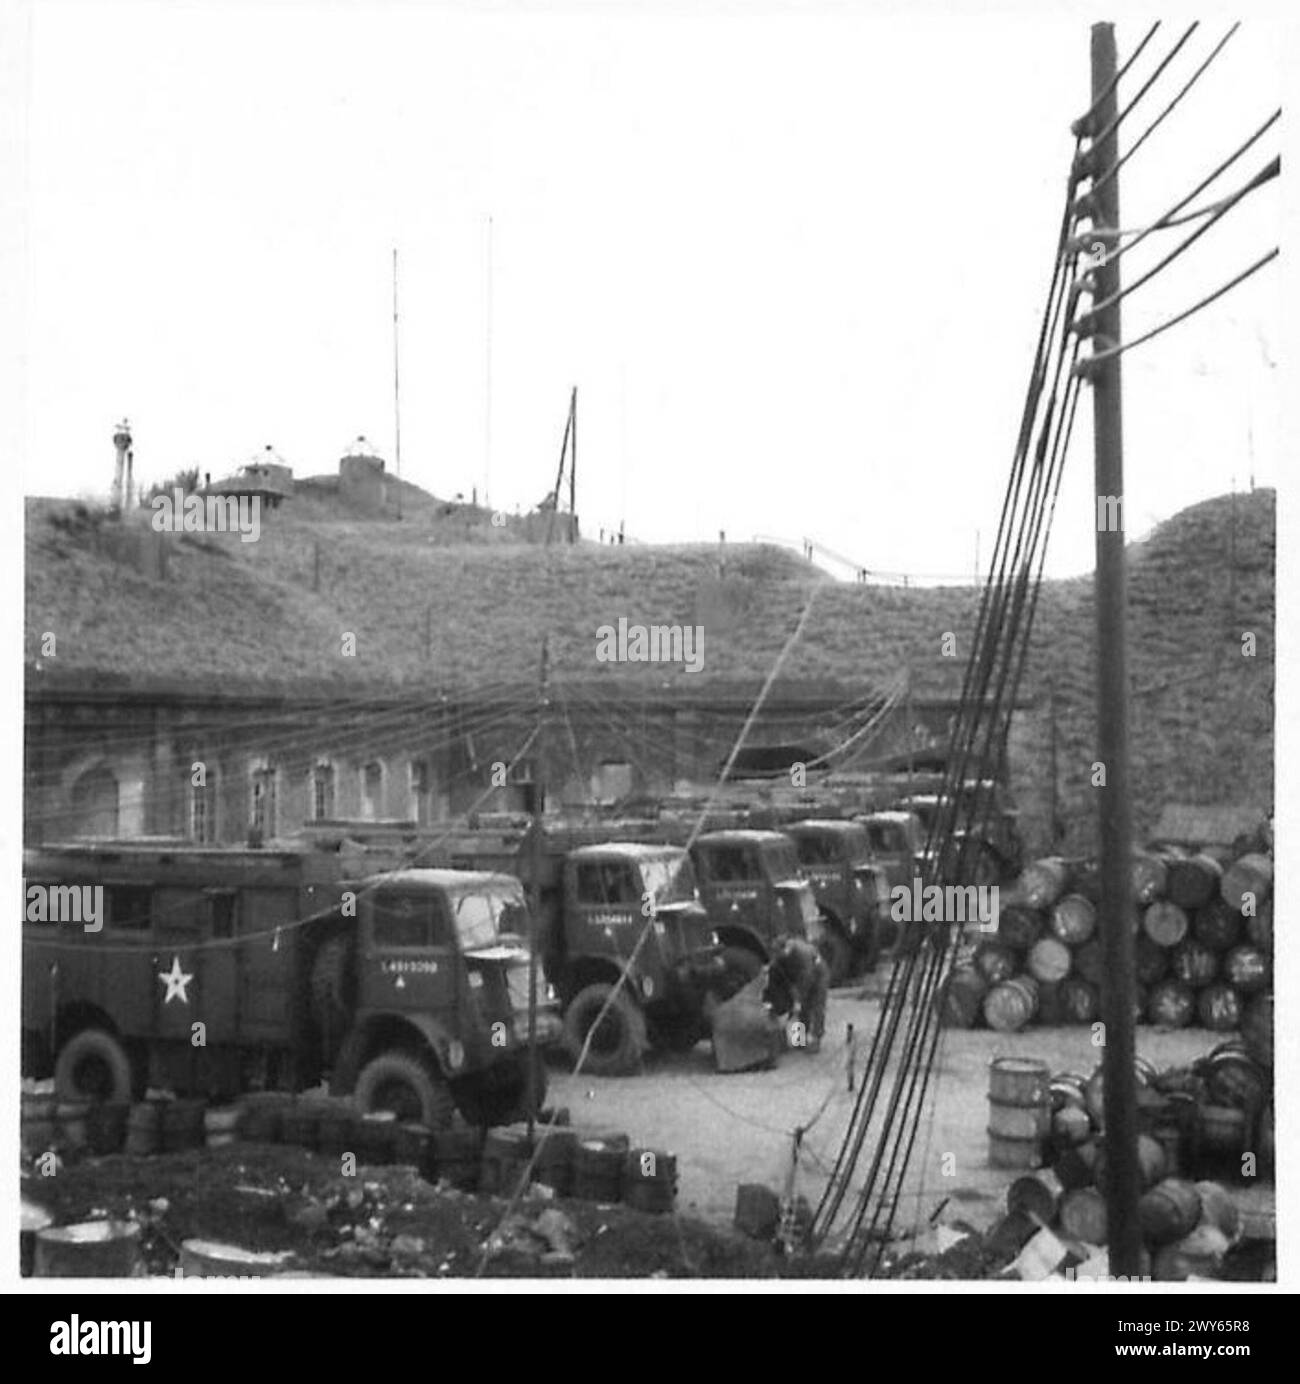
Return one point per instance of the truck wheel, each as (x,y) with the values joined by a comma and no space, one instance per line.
(617,1045)
(407,1085)
(836,952)
(93,1065)
(739,967)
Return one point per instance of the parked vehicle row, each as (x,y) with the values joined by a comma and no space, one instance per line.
(222,971)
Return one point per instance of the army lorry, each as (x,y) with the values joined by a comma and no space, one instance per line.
(634,906)
(851,891)
(605,907)
(755,893)
(215,971)
(993,852)
(897,841)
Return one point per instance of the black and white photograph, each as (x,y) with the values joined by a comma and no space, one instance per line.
(648,647)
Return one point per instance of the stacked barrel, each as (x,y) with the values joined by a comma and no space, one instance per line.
(1203,936)
(1195,1124)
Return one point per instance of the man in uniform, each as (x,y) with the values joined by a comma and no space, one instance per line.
(797,982)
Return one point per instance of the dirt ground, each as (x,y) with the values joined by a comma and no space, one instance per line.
(731,1128)
(723,1130)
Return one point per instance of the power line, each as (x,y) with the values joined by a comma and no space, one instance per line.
(526,1174)
(1099,137)
(1084,366)
(1080,126)
(1085,324)
(1151,128)
(1084,206)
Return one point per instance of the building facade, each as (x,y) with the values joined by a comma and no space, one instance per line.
(216,768)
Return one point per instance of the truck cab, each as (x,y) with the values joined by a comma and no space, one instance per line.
(634,907)
(991,853)
(755,893)
(219,971)
(850,888)
(441,964)
(897,840)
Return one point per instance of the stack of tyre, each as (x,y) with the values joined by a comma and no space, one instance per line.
(1203,935)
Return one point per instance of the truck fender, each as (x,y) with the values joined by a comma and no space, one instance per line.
(592,969)
(433,1035)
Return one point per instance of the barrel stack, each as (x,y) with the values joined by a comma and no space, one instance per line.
(1203,933)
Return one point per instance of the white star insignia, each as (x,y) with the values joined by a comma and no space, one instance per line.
(176,980)
(399,983)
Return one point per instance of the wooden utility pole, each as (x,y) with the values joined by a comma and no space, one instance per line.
(570,422)
(1115,824)
(910,729)
(573,466)
(1053,767)
(537,806)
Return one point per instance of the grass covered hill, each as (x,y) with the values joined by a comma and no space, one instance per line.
(132,608)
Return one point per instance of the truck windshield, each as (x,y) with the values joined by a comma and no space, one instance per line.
(818,850)
(887,836)
(925,811)
(670,879)
(781,859)
(481,918)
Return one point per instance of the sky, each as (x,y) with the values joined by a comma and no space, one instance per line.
(793,260)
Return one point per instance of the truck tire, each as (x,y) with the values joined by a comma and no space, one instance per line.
(617,1047)
(93,1065)
(407,1084)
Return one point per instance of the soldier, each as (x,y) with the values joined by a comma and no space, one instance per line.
(797,982)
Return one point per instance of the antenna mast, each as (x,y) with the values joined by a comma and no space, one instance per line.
(397,396)
(487,376)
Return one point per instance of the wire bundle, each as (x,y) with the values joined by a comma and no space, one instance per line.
(900,1063)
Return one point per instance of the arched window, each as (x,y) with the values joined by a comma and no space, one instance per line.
(203,810)
(322,792)
(95,801)
(372,790)
(612,781)
(421,805)
(263,814)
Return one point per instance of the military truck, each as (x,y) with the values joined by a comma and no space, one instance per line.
(851,891)
(220,971)
(605,907)
(897,840)
(599,903)
(994,852)
(755,893)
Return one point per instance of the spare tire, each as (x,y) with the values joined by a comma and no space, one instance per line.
(93,1065)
